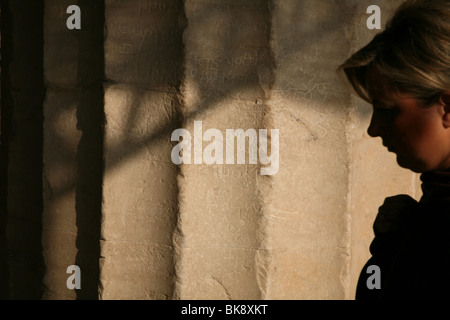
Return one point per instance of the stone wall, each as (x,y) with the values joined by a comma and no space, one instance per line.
(91,178)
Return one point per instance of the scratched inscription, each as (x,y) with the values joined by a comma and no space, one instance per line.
(143,41)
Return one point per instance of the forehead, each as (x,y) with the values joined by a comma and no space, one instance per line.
(385,94)
(382,89)
(378,85)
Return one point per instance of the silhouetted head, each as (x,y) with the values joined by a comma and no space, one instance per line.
(404,72)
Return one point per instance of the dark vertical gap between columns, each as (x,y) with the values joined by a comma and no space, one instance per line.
(90,167)
(4,128)
(22,140)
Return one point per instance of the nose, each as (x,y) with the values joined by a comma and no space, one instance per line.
(375,125)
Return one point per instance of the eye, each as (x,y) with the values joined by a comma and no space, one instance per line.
(387,113)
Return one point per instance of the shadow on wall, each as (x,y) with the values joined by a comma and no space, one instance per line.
(3,189)
(21,158)
(217,76)
(90,121)
(230,60)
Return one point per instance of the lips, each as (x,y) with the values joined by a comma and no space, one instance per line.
(387,146)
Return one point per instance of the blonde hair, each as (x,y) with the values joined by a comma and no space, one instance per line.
(412,53)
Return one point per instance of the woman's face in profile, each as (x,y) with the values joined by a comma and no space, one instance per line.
(416,134)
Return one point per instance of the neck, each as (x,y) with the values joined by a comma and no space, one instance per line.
(435,186)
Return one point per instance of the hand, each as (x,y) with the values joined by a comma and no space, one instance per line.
(394,213)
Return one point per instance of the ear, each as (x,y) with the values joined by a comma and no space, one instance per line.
(444,100)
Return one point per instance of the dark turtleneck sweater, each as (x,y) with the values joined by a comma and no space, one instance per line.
(412,245)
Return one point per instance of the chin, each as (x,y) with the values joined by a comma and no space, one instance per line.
(414,167)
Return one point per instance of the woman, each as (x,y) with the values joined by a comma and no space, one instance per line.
(404,72)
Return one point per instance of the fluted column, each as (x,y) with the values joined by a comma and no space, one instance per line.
(143,63)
